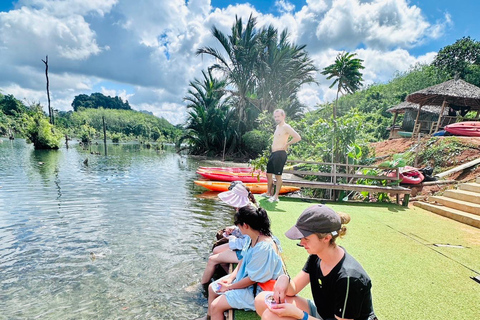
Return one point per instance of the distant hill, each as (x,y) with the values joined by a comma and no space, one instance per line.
(98,100)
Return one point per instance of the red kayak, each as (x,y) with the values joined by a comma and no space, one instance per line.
(466,128)
(229,169)
(408,175)
(230,176)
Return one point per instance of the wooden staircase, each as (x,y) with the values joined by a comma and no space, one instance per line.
(462,204)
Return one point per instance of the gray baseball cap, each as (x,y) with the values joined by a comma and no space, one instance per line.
(315,219)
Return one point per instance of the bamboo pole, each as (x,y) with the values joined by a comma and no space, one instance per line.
(444,103)
(459,168)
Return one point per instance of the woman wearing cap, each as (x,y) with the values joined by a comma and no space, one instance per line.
(260,263)
(239,196)
(340,286)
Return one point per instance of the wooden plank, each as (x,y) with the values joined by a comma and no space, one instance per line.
(342,175)
(459,168)
(340,186)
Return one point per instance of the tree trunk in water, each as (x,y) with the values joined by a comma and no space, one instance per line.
(50,111)
(104,134)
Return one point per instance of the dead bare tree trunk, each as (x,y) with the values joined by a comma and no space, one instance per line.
(50,111)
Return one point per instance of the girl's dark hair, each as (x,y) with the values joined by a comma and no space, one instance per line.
(256,218)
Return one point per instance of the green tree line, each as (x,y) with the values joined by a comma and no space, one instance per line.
(29,121)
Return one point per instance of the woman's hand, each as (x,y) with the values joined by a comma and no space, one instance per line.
(280,289)
(229,230)
(225,284)
(286,310)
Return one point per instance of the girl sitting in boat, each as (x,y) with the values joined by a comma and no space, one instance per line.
(260,263)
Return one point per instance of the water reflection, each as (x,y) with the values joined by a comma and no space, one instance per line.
(121,237)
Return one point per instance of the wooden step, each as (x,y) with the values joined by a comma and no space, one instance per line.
(463,195)
(464,217)
(471,186)
(456,204)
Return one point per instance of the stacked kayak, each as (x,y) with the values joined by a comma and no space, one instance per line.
(219,174)
(466,128)
(260,187)
(220,178)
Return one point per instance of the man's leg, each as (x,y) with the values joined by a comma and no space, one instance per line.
(269,185)
(278,186)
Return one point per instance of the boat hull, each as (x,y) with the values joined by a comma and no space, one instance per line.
(232,176)
(257,188)
(466,128)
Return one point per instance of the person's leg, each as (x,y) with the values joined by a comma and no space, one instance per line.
(269,192)
(228,256)
(278,185)
(212,295)
(221,248)
(218,307)
(266,314)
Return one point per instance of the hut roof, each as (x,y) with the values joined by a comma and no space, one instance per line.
(456,92)
(402,107)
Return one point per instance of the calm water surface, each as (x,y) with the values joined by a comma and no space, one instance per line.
(122,237)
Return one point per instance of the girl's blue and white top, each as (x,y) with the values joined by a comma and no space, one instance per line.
(261,264)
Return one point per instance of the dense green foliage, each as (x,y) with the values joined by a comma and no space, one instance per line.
(17,119)
(208,129)
(262,71)
(42,134)
(97,100)
(461,59)
(129,124)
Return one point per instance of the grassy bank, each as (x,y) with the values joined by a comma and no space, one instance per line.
(412,278)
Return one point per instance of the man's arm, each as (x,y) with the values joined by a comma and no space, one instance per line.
(294,134)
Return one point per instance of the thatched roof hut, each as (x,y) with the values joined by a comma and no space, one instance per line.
(402,107)
(456,92)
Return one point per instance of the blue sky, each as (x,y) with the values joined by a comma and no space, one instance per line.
(144,51)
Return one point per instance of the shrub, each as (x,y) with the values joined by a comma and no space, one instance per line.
(255,142)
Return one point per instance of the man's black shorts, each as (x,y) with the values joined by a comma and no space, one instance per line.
(276,162)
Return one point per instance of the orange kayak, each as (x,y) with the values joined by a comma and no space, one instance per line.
(221,186)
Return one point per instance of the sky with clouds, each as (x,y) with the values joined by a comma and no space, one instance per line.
(144,50)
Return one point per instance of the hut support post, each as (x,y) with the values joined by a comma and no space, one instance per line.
(440,116)
(417,127)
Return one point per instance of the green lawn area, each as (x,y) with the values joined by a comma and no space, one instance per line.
(412,278)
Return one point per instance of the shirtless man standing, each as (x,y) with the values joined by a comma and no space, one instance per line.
(279,153)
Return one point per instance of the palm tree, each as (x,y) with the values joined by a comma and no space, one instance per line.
(282,68)
(239,63)
(346,71)
(208,114)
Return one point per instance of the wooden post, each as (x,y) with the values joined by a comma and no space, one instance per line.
(416,121)
(66,140)
(50,111)
(104,134)
(224,146)
(440,116)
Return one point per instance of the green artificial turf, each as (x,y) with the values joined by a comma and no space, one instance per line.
(412,278)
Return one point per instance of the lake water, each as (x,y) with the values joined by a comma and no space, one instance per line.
(124,236)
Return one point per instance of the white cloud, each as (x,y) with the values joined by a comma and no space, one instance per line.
(284,6)
(151,45)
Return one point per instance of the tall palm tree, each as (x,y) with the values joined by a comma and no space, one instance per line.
(282,68)
(208,114)
(239,63)
(346,71)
